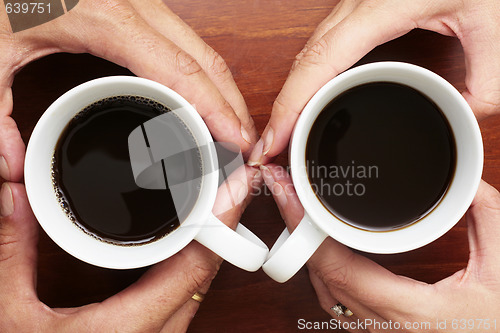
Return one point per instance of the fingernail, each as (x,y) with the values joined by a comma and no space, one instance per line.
(280,195)
(268,140)
(4,169)
(256,155)
(268,177)
(245,135)
(6,201)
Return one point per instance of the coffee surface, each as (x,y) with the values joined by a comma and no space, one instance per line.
(380,156)
(93,176)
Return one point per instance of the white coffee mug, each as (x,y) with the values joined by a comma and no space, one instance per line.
(290,252)
(241,248)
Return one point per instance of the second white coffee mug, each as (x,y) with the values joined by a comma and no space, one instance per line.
(291,252)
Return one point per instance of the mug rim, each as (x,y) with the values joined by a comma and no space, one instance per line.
(80,244)
(402,239)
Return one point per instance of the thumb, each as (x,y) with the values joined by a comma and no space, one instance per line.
(18,240)
(479,37)
(482,75)
(483,220)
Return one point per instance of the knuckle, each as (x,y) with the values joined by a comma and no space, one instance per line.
(114,6)
(186,64)
(336,275)
(114,14)
(316,53)
(201,273)
(217,64)
(8,242)
(299,57)
(371,5)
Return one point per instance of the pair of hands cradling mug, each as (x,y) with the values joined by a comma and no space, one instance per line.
(337,273)
(372,22)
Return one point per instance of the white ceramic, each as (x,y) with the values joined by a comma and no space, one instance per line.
(290,253)
(241,248)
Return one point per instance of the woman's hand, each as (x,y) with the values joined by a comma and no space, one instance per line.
(143,36)
(355,27)
(375,295)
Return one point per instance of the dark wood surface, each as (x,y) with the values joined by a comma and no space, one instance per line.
(259,40)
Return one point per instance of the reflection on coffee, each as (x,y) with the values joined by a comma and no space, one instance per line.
(93,178)
(380,156)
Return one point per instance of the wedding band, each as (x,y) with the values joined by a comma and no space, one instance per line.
(339,309)
(198,297)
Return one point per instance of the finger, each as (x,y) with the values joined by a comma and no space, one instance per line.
(12,147)
(163,20)
(179,321)
(483,220)
(119,34)
(149,303)
(481,48)
(327,301)
(278,182)
(18,244)
(330,55)
(346,274)
(341,11)
(11,143)
(235,194)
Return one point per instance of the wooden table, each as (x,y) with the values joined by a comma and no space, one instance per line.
(259,40)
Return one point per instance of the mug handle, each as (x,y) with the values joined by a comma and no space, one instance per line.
(241,247)
(291,252)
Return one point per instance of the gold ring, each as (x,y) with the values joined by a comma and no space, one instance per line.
(198,297)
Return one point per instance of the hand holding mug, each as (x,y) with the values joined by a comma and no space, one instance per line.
(160,301)
(376,296)
(355,27)
(144,36)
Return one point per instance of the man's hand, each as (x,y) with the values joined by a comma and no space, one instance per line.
(143,36)
(159,301)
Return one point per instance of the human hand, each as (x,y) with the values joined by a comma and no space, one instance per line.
(143,36)
(355,27)
(159,301)
(373,293)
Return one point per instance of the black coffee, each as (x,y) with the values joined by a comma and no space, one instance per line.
(380,156)
(93,177)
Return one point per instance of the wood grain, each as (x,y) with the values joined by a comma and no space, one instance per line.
(259,40)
